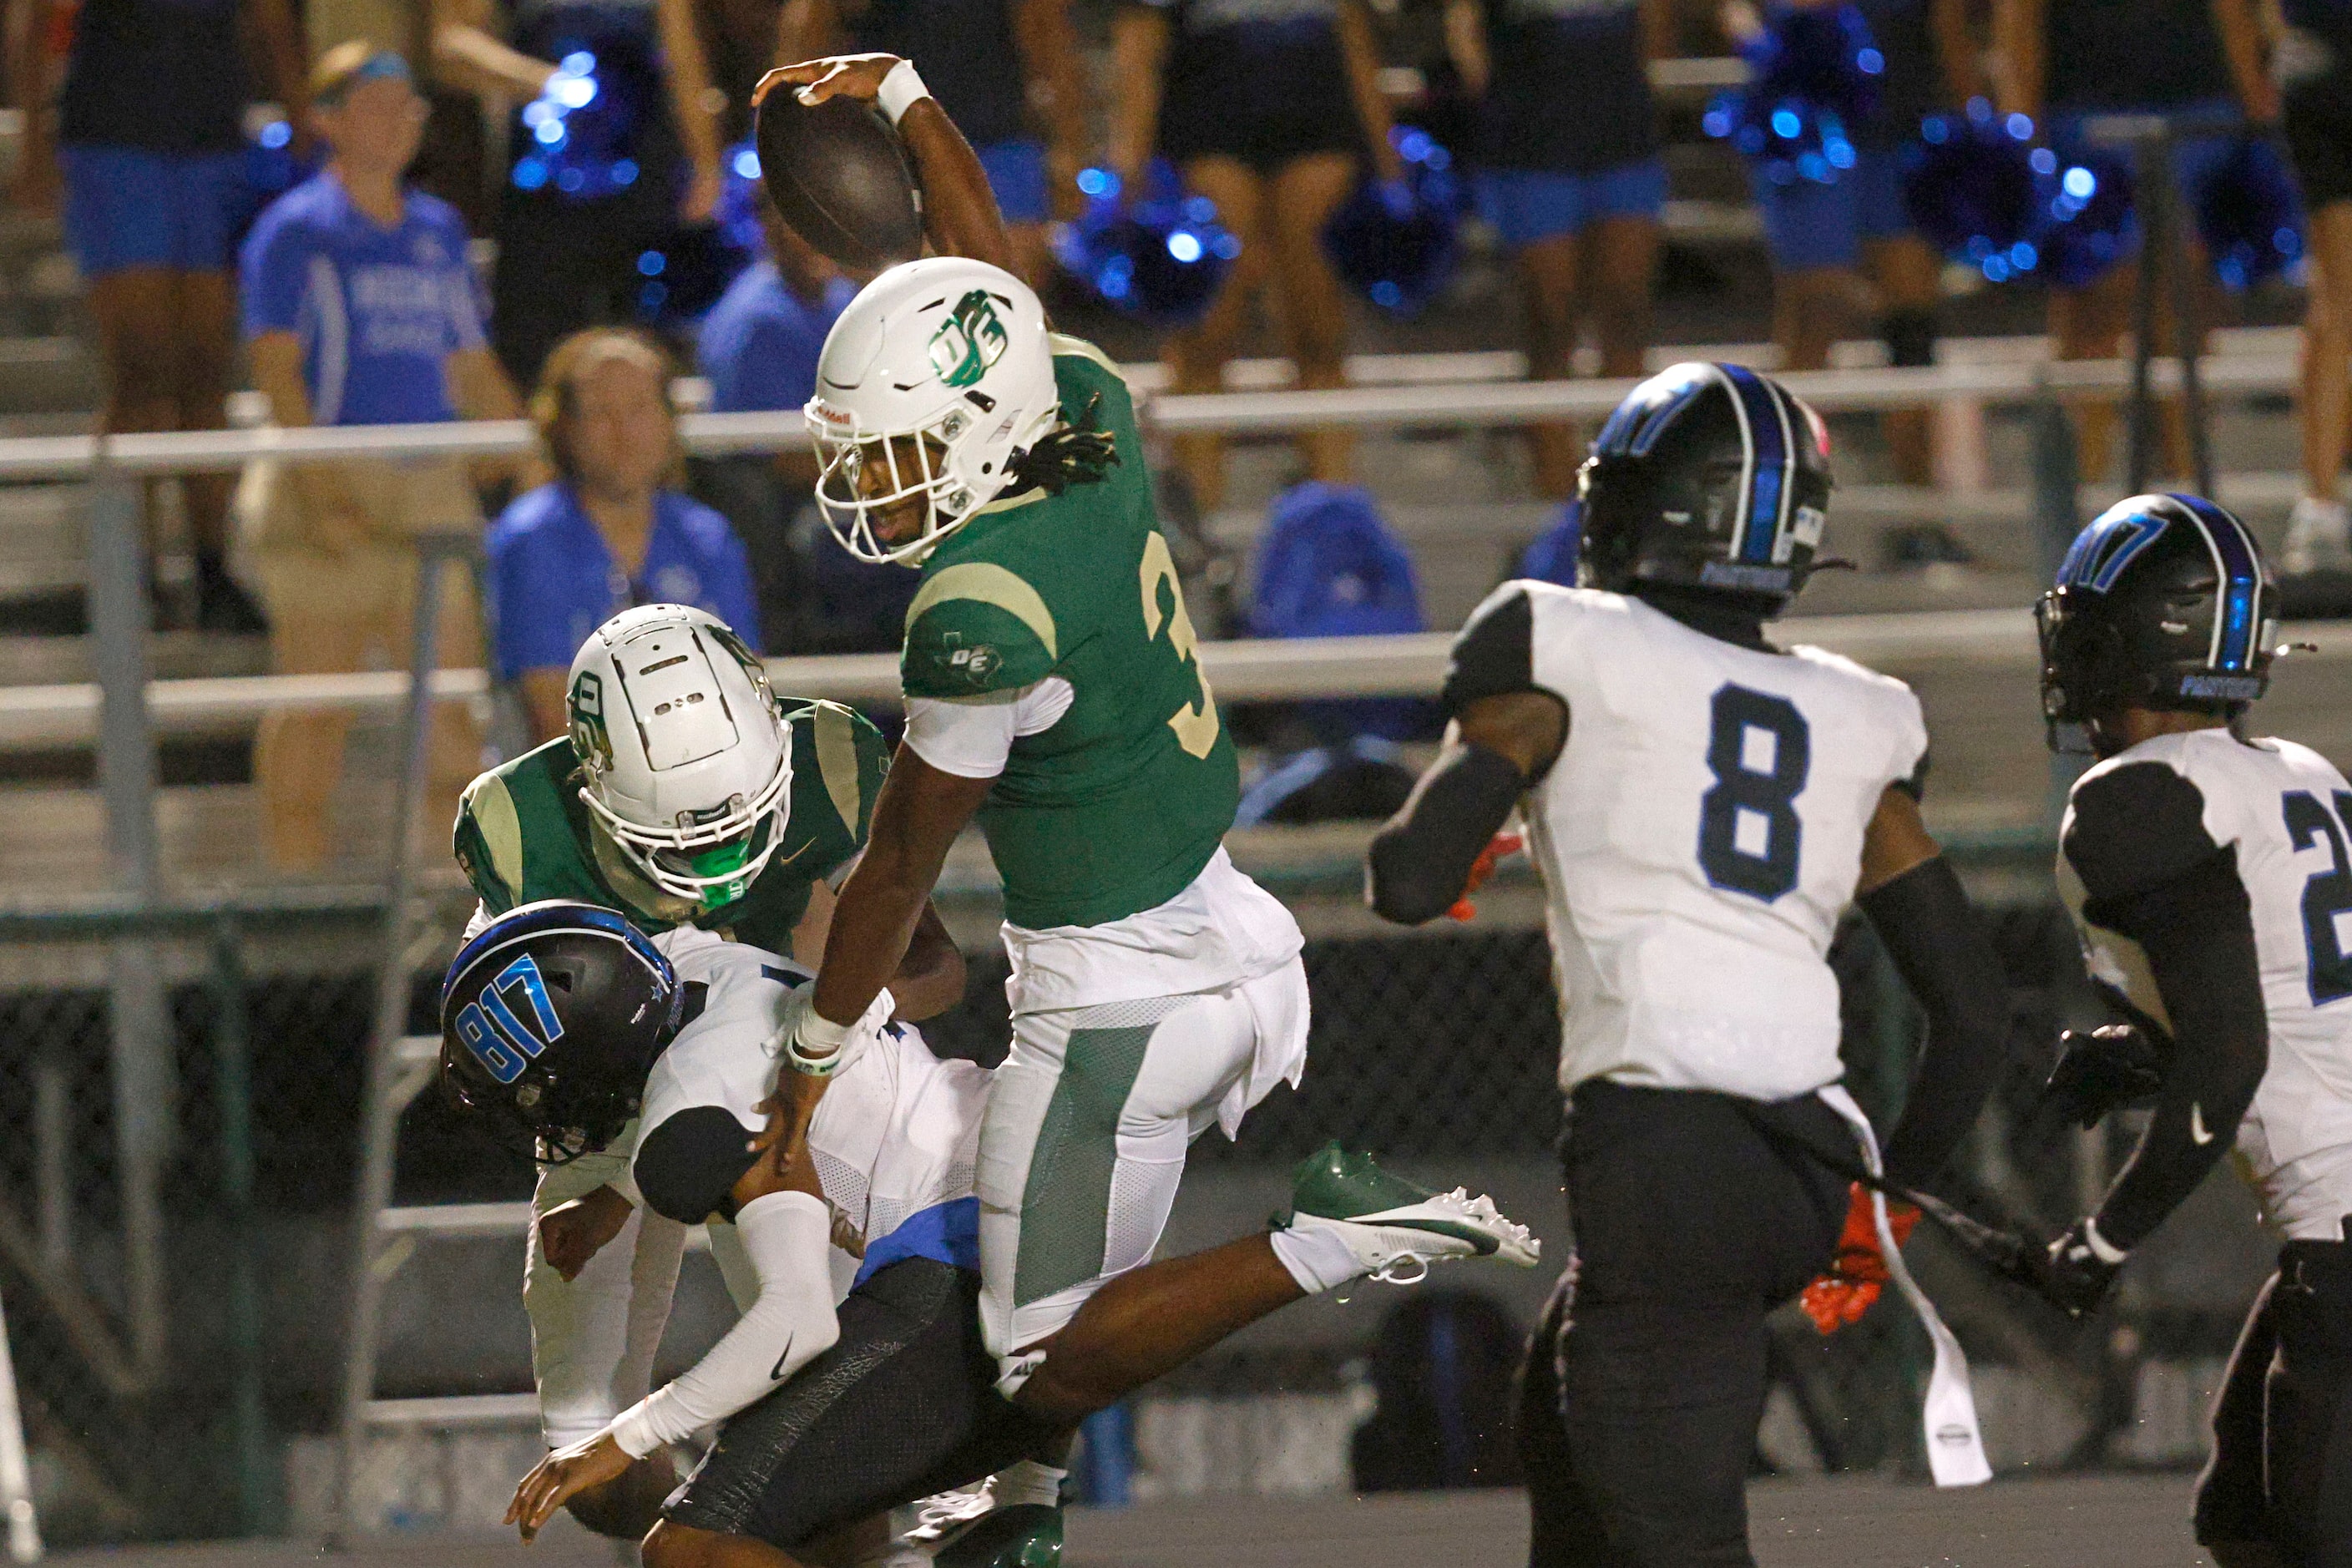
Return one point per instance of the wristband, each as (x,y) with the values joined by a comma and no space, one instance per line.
(818,1031)
(899,91)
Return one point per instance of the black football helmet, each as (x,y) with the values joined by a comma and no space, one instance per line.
(2163,602)
(1707,477)
(551,1018)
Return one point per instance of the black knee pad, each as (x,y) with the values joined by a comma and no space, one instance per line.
(1909,335)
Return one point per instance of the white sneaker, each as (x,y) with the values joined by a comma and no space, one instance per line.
(945,1514)
(2318,538)
(1397,1229)
(981,1528)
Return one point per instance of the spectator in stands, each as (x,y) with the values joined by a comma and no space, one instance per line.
(609,532)
(757,349)
(2313,66)
(1007,72)
(758,346)
(452,157)
(1271,109)
(642,157)
(1844,251)
(149,139)
(360,310)
(1572,180)
(2065,61)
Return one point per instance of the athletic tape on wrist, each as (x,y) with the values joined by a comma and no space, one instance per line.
(814,1029)
(899,91)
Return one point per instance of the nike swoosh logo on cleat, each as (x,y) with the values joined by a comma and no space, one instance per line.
(2196,1133)
(1481,1239)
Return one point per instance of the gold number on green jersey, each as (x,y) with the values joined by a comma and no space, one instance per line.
(1195,723)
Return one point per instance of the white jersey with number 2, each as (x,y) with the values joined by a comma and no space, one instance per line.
(1700,836)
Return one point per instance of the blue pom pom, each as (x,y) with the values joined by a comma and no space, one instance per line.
(1812,74)
(1396,242)
(1971,189)
(2249,215)
(1159,256)
(2092,221)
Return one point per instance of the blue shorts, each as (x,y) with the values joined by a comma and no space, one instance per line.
(128,206)
(1529,204)
(1016,173)
(1809,226)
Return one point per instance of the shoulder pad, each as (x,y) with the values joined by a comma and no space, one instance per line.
(488,847)
(2134,827)
(977,627)
(846,755)
(687,1168)
(1495,652)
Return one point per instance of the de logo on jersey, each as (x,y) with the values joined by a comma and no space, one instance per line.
(497,1036)
(1760,749)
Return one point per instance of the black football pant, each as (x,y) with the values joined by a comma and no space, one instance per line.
(1645,1381)
(2281,1475)
(903,1405)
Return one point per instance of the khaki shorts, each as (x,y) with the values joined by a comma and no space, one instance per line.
(367,593)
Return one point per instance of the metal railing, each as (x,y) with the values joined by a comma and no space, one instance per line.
(1473,404)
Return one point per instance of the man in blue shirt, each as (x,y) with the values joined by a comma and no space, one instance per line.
(758,345)
(360,309)
(759,348)
(611,531)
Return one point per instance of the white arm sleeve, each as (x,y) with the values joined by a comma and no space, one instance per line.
(972,737)
(787,1235)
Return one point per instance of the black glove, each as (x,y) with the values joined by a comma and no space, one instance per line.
(2072,1276)
(2101,1071)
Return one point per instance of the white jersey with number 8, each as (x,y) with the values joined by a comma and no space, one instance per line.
(1700,836)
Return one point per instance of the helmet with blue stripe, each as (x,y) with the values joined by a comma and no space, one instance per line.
(1709,478)
(2164,602)
(552,1017)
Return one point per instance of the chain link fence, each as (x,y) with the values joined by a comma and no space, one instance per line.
(1436,1051)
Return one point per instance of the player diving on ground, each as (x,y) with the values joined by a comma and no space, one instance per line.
(690,798)
(856,1378)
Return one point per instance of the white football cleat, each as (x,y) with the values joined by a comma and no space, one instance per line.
(1397,1229)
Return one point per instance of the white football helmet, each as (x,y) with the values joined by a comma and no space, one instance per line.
(687,759)
(932,383)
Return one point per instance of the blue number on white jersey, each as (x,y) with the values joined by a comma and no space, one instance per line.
(1759,748)
(2327,895)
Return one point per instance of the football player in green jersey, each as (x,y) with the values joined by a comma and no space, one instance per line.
(1054,691)
(692,799)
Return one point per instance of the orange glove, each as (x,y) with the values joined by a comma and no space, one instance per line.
(1499,846)
(1843,1294)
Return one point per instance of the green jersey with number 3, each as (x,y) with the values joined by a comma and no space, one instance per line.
(1118,806)
(523,834)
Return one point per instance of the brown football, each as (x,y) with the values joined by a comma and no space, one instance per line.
(841,179)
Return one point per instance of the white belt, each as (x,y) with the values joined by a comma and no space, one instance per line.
(1954,1448)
